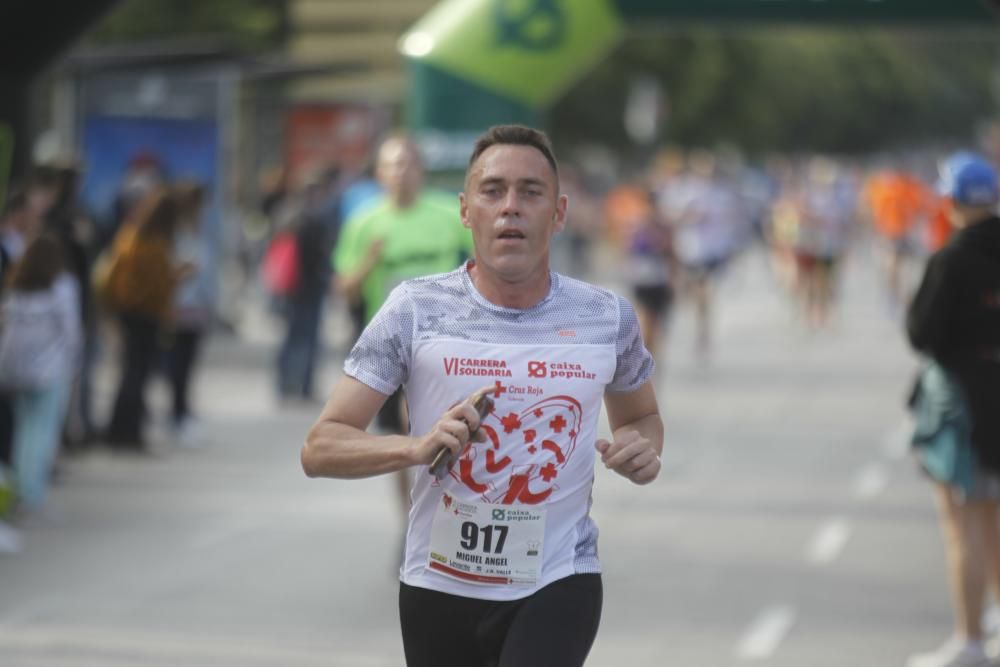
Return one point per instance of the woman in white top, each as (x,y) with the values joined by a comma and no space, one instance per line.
(39,345)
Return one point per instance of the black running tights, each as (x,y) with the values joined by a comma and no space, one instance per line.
(554,627)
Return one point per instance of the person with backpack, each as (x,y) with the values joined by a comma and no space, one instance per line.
(954,320)
(139,289)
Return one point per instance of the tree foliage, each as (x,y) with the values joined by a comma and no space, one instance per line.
(793,89)
(248,24)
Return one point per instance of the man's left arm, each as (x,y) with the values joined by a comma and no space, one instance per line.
(637,434)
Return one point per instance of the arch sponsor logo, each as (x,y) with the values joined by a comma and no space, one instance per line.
(559,370)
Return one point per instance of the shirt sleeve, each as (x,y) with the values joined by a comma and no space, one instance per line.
(382,356)
(634,362)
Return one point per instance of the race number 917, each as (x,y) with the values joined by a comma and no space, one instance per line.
(491,537)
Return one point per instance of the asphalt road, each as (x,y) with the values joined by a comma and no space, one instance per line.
(789,527)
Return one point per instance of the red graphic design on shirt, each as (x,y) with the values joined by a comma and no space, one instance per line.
(523,453)
(510,423)
(554,448)
(558,424)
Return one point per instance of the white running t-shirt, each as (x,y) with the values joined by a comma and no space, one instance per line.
(550,366)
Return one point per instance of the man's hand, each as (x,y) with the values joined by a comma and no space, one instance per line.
(631,455)
(450,432)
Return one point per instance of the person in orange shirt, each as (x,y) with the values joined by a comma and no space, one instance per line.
(898,203)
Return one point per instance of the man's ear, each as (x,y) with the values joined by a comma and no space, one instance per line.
(463,210)
(562,208)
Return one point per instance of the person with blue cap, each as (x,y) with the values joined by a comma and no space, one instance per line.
(954,320)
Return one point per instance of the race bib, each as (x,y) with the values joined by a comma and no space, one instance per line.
(487,544)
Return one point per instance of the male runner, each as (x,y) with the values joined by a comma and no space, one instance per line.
(501,564)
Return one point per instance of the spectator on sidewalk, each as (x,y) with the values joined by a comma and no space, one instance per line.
(302,308)
(14,225)
(39,346)
(56,186)
(954,320)
(192,309)
(140,291)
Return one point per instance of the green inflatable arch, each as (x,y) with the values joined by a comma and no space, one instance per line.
(474,63)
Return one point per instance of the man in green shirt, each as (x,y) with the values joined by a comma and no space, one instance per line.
(410,232)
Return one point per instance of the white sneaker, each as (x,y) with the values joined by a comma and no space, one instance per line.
(10,539)
(953,653)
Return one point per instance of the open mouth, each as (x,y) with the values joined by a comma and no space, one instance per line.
(511,234)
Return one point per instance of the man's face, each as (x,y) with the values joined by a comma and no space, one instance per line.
(399,170)
(513,207)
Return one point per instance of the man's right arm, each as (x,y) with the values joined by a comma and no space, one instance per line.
(338,446)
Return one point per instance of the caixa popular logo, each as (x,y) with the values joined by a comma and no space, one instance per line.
(557,369)
(537,369)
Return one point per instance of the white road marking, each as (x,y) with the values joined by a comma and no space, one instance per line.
(766,633)
(870,481)
(829,541)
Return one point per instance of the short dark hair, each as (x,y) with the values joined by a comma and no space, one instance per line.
(517,135)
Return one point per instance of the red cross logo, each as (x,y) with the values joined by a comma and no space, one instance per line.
(557,424)
(529,435)
(498,389)
(549,472)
